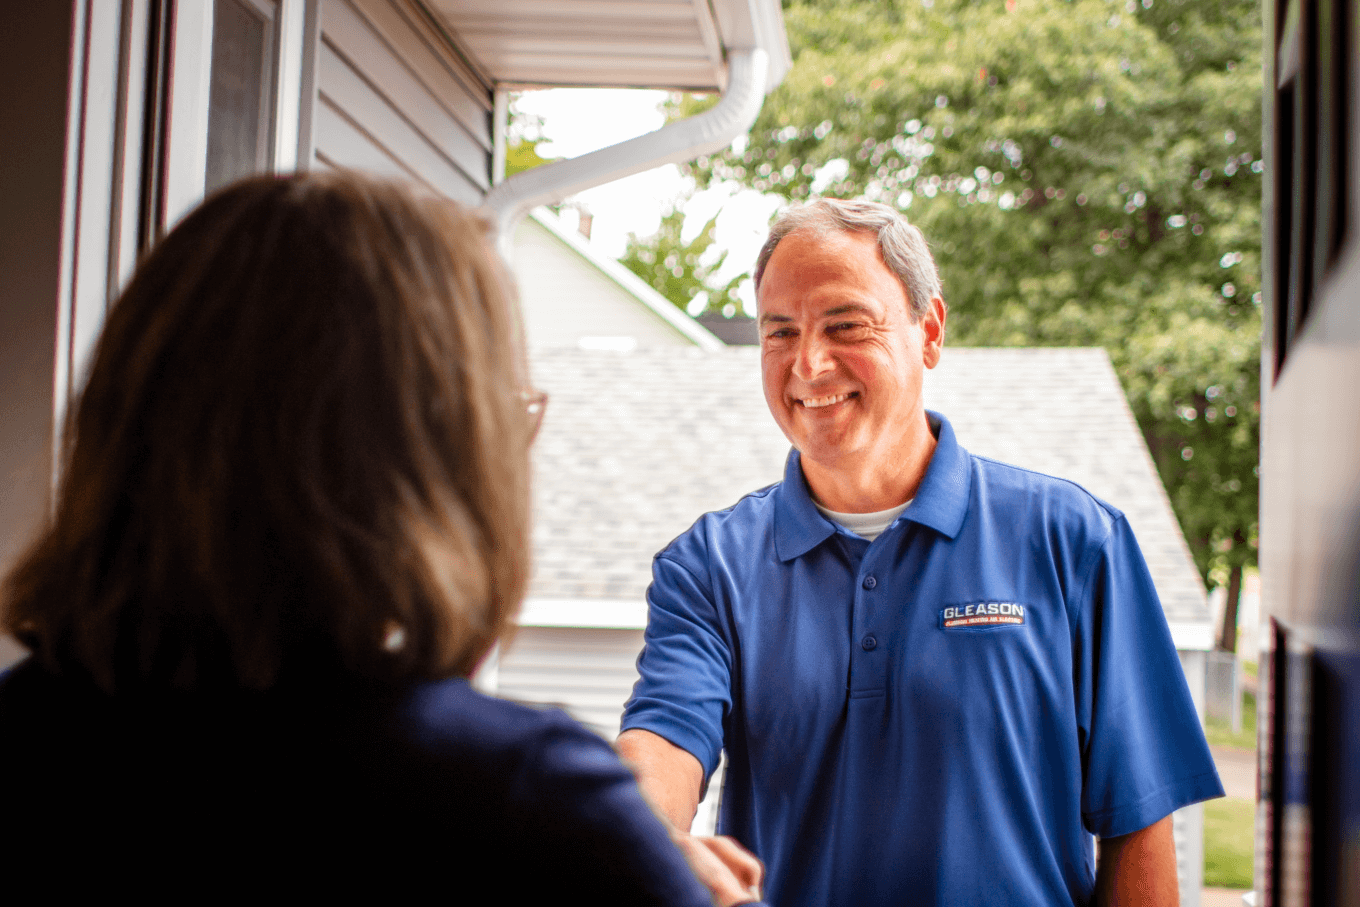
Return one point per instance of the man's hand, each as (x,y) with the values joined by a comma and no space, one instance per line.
(729,871)
(1138,869)
(670,778)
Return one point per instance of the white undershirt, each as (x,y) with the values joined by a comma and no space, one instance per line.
(867,525)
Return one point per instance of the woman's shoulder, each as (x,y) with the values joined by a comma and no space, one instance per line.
(30,695)
(472,747)
(560,793)
(451,717)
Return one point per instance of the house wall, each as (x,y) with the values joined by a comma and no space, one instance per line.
(35,63)
(565,299)
(393,100)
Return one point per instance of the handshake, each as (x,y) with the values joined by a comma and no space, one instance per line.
(670,779)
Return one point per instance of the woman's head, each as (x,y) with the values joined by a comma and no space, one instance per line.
(303,438)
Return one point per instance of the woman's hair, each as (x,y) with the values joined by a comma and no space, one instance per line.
(303,446)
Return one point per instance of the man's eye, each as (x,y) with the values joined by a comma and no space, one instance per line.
(779,334)
(846,329)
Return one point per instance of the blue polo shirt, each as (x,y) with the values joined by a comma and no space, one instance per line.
(942,716)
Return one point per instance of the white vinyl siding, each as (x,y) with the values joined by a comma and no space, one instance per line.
(395,101)
(589,672)
(564,297)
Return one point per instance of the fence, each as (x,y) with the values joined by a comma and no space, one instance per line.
(1223,689)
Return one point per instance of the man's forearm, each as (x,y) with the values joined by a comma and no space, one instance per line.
(670,777)
(1139,869)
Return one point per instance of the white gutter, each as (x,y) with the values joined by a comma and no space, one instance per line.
(704,133)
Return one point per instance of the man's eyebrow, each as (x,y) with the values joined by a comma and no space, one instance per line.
(848,309)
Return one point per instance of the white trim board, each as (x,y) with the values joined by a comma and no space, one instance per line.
(1192,636)
(586,613)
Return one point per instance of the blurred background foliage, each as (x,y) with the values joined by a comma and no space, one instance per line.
(684,271)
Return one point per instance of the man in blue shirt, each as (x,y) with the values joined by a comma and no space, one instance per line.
(936,676)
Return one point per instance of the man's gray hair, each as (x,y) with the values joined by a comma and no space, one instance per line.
(902,246)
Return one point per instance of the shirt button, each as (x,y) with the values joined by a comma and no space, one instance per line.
(869,643)
(870,582)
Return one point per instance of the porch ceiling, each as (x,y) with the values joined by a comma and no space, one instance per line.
(607,43)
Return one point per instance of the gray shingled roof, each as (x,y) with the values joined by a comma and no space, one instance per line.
(636,445)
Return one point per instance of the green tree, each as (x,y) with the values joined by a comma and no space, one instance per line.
(681,270)
(523,155)
(1088,173)
(524,134)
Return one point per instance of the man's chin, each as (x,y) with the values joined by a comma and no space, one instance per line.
(825,452)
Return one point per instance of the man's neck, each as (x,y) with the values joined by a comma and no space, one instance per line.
(869,485)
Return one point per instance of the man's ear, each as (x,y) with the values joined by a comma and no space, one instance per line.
(932,326)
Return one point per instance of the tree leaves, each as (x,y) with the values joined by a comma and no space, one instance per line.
(681,270)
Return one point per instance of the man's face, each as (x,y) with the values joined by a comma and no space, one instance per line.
(841,357)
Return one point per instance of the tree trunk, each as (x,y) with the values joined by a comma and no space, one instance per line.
(1228,641)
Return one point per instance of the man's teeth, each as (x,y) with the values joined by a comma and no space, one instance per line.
(816,402)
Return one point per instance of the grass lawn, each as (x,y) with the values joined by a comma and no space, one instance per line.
(1219,731)
(1229,837)
(1229,824)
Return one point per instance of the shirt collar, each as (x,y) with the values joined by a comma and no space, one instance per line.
(942,500)
(941,503)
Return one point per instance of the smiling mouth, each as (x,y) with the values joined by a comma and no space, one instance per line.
(819,402)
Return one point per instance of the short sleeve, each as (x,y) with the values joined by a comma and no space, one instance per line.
(1143,750)
(684,687)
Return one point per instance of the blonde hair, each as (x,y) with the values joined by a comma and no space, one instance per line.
(302,446)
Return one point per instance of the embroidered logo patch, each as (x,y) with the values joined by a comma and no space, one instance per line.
(982,614)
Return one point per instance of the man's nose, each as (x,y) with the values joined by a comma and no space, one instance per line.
(813,359)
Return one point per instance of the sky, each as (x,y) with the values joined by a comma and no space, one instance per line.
(578,120)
